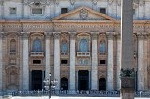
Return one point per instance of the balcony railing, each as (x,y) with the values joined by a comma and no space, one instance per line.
(37,54)
(83,53)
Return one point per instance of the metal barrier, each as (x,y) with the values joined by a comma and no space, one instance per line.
(83,93)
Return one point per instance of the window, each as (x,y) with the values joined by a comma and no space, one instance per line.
(12,45)
(37,46)
(64,10)
(103,62)
(64,48)
(36,61)
(64,61)
(133,11)
(83,45)
(37,11)
(102,48)
(103,10)
(12,11)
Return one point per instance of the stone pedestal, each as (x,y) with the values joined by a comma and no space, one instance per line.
(127,87)
(127,93)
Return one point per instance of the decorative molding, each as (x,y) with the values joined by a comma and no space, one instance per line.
(110,2)
(37,3)
(94,2)
(72,2)
(57,2)
(56,35)
(83,13)
(72,35)
(110,35)
(25,35)
(48,35)
(94,35)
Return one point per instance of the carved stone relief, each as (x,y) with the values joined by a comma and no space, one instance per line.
(83,14)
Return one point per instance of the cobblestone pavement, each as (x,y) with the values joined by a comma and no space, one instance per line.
(56,97)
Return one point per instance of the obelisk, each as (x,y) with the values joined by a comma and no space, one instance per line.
(127,72)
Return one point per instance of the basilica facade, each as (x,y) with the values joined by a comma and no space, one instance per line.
(77,41)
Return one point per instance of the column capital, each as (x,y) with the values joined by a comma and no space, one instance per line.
(110,35)
(48,34)
(94,35)
(140,36)
(72,35)
(25,35)
(56,35)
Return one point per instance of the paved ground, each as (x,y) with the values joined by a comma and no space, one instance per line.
(56,97)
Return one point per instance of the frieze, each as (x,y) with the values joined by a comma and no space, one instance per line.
(84,27)
(37,27)
(12,27)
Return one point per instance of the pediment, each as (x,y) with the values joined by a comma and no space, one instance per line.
(84,13)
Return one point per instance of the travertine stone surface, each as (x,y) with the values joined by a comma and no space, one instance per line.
(110,62)
(72,61)
(94,72)
(25,65)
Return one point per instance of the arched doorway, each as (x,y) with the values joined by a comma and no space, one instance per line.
(83,80)
(102,84)
(64,83)
(36,80)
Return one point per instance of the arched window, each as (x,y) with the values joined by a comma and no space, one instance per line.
(37,46)
(83,45)
(12,45)
(64,47)
(102,46)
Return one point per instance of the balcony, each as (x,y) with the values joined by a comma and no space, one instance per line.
(37,54)
(83,54)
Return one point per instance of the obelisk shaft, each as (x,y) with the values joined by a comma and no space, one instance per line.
(127,46)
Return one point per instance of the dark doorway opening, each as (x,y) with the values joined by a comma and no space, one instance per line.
(36,80)
(102,84)
(83,80)
(64,84)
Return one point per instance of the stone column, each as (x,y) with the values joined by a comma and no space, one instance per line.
(57,58)
(25,59)
(145,61)
(118,61)
(72,61)
(94,72)
(141,61)
(47,55)
(1,64)
(110,63)
(127,80)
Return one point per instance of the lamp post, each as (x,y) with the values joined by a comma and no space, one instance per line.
(49,84)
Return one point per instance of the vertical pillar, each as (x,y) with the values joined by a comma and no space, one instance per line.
(141,62)
(25,58)
(1,64)
(145,61)
(72,61)
(94,72)
(118,61)
(127,81)
(57,58)
(110,63)
(47,55)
